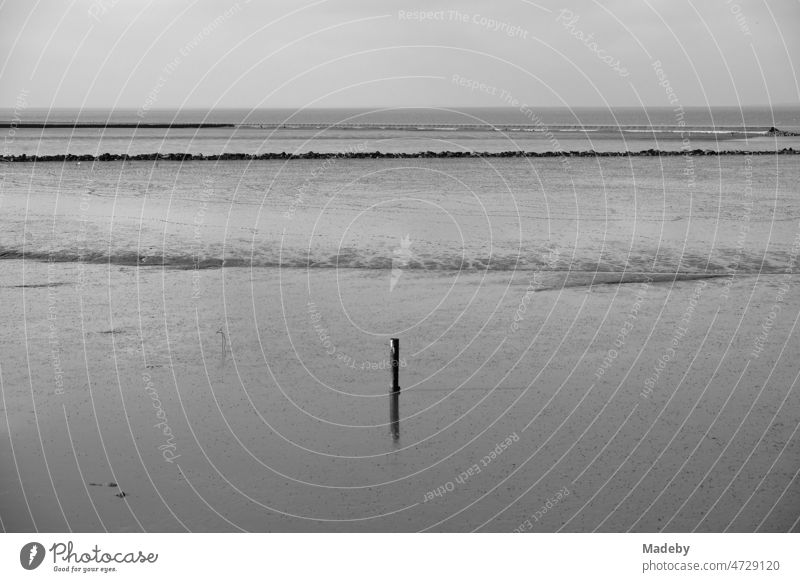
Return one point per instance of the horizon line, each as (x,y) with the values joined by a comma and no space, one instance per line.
(400,107)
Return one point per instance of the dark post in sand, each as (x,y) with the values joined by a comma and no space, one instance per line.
(394,353)
(394,398)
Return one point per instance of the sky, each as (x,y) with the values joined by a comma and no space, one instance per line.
(155,54)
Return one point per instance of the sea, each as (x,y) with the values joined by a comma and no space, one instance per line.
(672,214)
(94,131)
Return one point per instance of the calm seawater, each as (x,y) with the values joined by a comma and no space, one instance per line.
(400,130)
(694,215)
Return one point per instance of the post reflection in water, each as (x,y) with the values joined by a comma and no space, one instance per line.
(394,415)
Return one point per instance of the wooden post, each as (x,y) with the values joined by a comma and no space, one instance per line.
(394,358)
(394,397)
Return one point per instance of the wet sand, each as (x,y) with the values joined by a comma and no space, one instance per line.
(238,399)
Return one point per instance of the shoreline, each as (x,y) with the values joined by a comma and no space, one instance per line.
(185,157)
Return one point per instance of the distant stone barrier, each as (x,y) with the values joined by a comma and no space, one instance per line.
(384,155)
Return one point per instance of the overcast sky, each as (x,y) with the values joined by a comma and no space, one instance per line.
(364,53)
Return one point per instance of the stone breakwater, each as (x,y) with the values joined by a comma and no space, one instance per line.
(182,157)
(110,125)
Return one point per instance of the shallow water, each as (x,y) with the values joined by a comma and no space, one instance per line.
(686,215)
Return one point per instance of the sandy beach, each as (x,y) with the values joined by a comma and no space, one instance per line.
(211,400)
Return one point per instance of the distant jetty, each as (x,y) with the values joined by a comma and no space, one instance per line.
(103,125)
(774,131)
(384,155)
